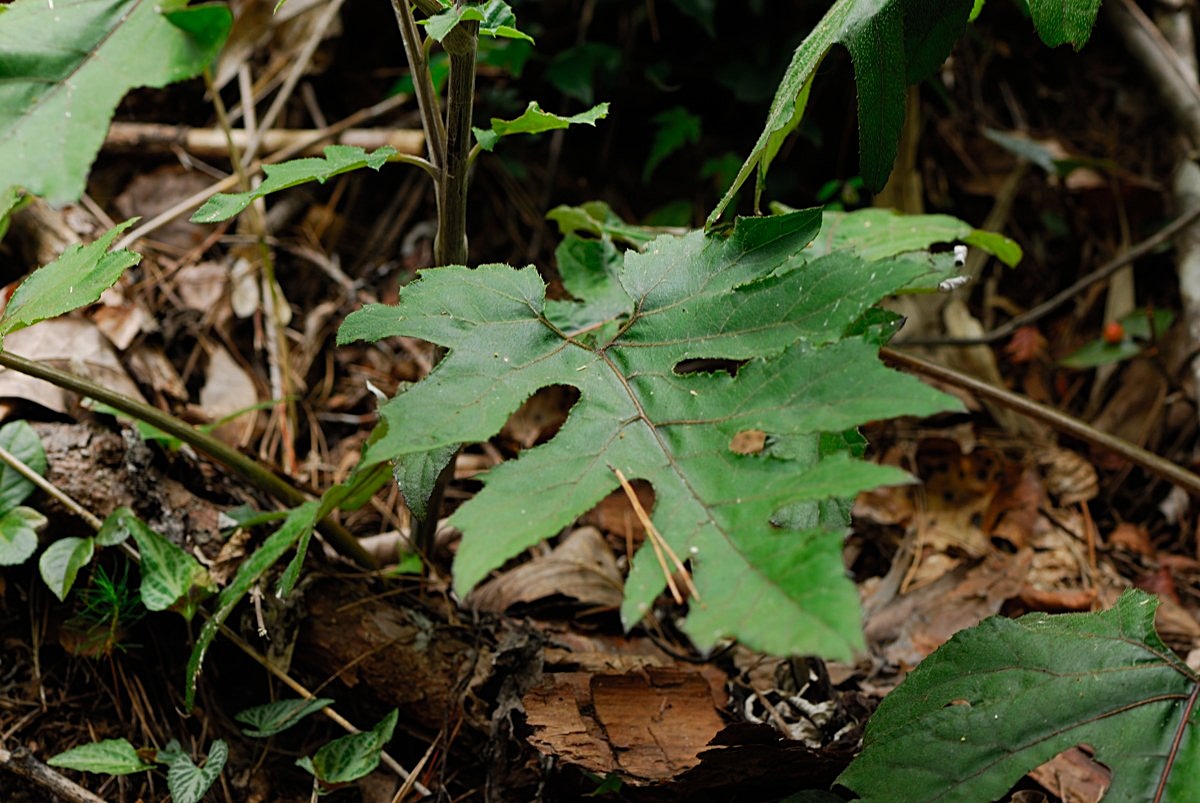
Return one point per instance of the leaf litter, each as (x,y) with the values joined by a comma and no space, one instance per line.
(1051,571)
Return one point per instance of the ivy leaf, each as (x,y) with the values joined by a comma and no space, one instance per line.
(168,573)
(269,719)
(1001,698)
(1059,21)
(18,534)
(187,782)
(752,297)
(19,440)
(111,757)
(576,71)
(67,64)
(351,757)
(74,280)
(892,43)
(535,121)
(338,159)
(495,18)
(62,560)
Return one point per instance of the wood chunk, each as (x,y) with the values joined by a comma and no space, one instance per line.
(645,726)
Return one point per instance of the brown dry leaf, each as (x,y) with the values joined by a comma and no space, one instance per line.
(1061,558)
(892,504)
(1014,511)
(1136,409)
(1132,537)
(912,625)
(951,508)
(1026,345)
(1069,476)
(228,389)
(582,567)
(1160,582)
(1074,776)
(120,319)
(245,294)
(72,344)
(1066,600)
(153,369)
(646,726)
(150,193)
(201,286)
(540,417)
(614,514)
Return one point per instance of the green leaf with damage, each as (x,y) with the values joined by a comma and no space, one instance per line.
(754,298)
(535,121)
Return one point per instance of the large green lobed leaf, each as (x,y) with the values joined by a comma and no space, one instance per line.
(754,297)
(1003,697)
(66,64)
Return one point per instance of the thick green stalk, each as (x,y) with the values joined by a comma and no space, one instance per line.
(449,146)
(257,474)
(450,246)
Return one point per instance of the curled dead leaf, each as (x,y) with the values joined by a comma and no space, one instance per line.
(582,567)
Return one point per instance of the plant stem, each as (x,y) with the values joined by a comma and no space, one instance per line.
(450,157)
(418,67)
(450,245)
(1158,466)
(257,474)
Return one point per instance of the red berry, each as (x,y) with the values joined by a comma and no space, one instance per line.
(1114,333)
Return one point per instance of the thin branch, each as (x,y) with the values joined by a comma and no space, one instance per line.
(1158,466)
(1171,77)
(1146,246)
(210,142)
(50,489)
(258,475)
(22,762)
(418,66)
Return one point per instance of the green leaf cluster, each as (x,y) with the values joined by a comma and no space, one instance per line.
(495,18)
(186,782)
(761,531)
